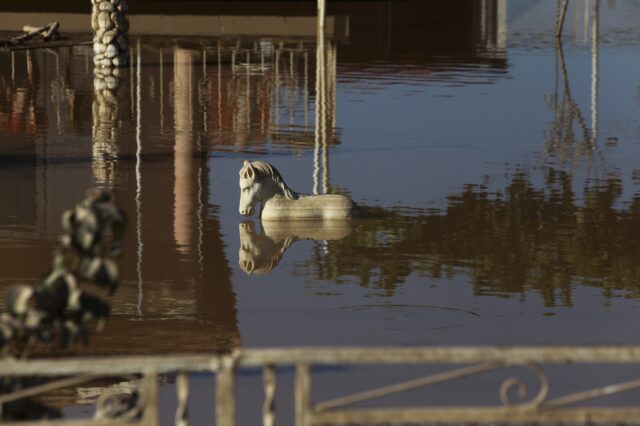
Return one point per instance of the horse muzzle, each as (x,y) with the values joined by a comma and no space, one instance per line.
(247,211)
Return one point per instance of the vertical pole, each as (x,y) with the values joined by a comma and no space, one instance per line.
(303,395)
(225,397)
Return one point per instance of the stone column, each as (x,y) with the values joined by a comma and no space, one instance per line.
(110,41)
(111,53)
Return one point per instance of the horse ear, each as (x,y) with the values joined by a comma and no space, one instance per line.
(247,171)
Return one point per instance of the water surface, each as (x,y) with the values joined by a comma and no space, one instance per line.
(500,168)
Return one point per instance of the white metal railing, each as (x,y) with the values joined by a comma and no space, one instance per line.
(467,361)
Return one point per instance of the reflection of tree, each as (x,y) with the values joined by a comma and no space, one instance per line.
(518,239)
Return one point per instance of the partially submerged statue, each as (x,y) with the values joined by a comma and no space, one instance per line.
(260,182)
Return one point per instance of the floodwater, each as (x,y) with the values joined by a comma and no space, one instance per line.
(501,170)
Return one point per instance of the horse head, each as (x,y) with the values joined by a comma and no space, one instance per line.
(249,189)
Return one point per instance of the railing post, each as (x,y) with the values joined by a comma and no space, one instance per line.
(150,416)
(269,407)
(225,395)
(303,395)
(182,391)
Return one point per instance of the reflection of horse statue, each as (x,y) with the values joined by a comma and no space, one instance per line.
(261,182)
(259,254)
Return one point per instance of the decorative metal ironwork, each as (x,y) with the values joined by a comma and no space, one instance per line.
(518,403)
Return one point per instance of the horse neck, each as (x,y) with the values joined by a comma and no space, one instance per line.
(271,188)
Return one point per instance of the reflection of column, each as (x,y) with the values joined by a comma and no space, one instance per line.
(501,42)
(320,98)
(183,191)
(324,109)
(594,73)
(105,128)
(140,244)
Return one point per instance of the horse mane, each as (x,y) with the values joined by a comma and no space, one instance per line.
(264,169)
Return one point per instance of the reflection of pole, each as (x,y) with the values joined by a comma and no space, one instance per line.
(560,22)
(306,88)
(183,165)
(13,67)
(321,14)
(139,177)
(161,78)
(321,102)
(319,96)
(325,102)
(585,26)
(594,74)
(219,85)
(323,122)
(277,89)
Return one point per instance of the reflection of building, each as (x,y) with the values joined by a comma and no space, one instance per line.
(176,291)
(178,101)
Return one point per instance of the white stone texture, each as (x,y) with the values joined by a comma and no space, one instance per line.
(110,26)
(106,6)
(110,35)
(120,61)
(99,48)
(112,51)
(112,82)
(104,21)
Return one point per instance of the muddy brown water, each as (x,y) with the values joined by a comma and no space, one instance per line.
(500,169)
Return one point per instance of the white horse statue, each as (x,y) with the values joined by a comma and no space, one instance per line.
(260,182)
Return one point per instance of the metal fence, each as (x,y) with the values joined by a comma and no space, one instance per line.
(461,361)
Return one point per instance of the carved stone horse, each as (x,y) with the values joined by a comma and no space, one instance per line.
(260,182)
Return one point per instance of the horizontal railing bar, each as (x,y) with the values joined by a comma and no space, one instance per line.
(78,422)
(110,366)
(516,355)
(508,355)
(477,415)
